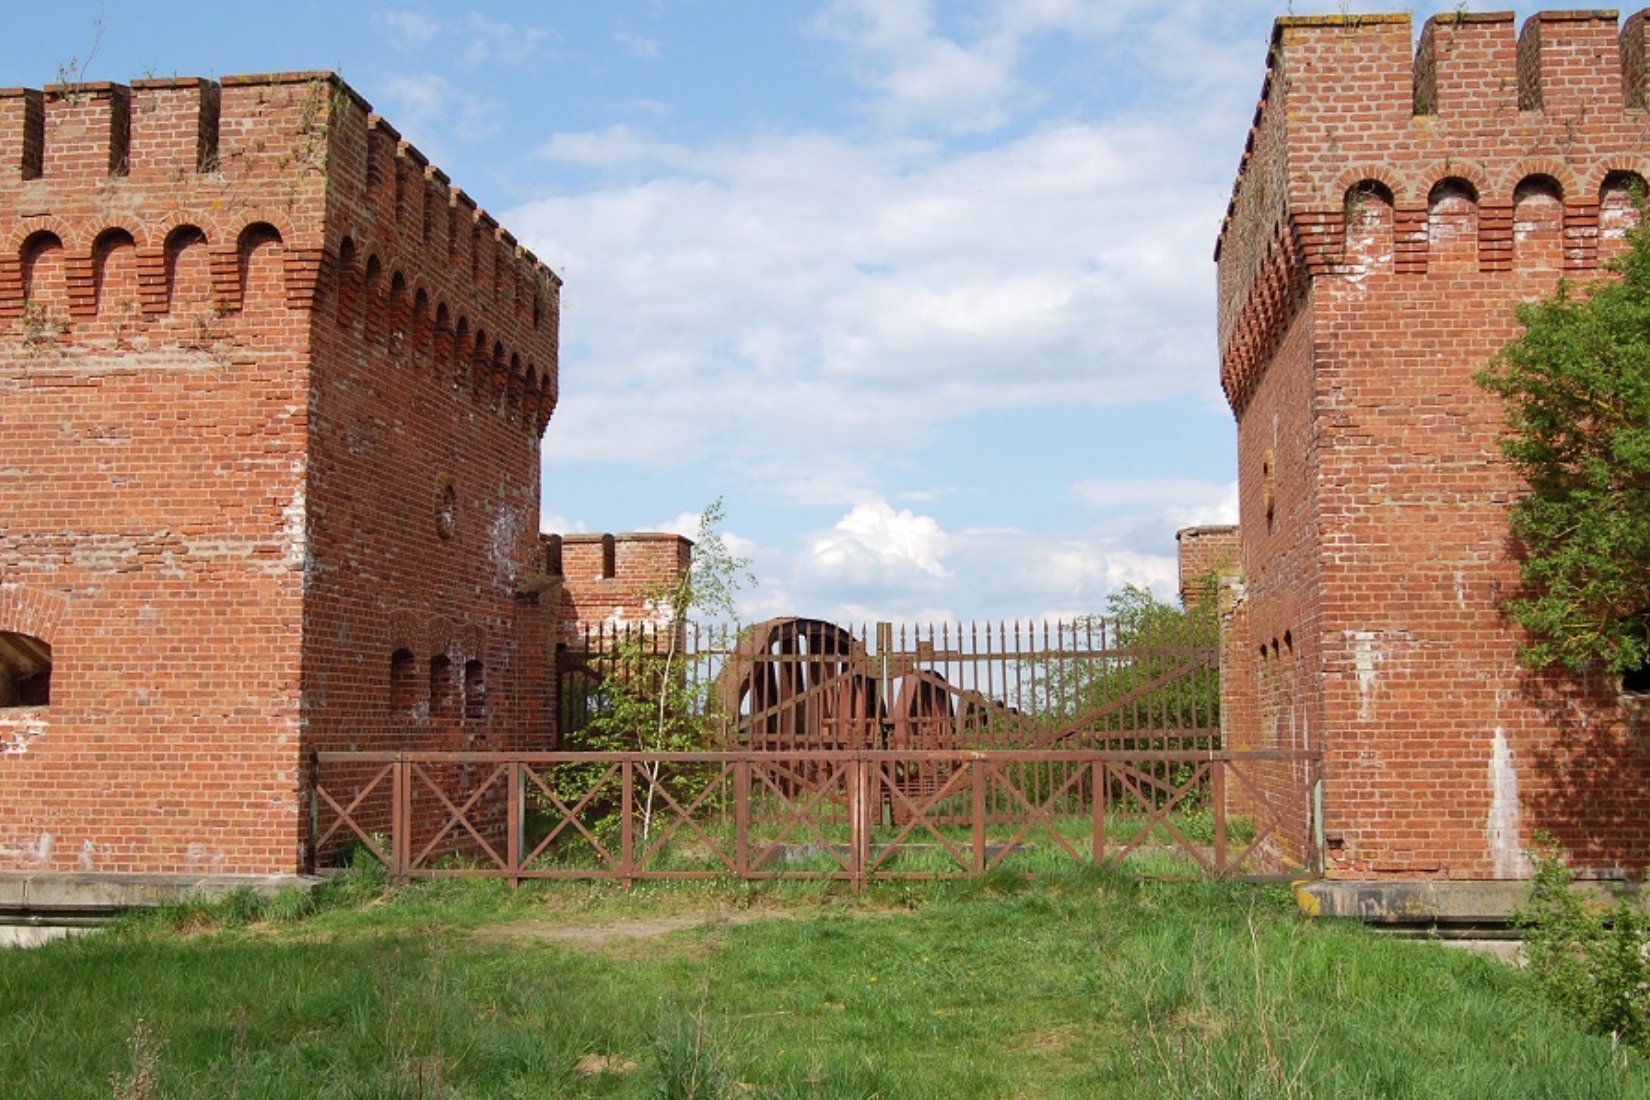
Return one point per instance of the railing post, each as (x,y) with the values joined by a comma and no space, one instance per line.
(859,820)
(515,823)
(1099,812)
(741,817)
(978,767)
(627,833)
(401,818)
(312,776)
(1217,792)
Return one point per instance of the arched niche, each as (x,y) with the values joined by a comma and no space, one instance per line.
(1452,226)
(1369,223)
(1538,224)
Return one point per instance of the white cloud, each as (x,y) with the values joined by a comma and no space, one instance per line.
(489,42)
(746,296)
(1179,494)
(472,37)
(428,106)
(874,547)
(919,74)
(615,146)
(647,49)
(406,29)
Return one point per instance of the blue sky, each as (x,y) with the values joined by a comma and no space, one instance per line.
(922,290)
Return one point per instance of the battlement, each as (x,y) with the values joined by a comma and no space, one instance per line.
(1481,147)
(1467,68)
(144,213)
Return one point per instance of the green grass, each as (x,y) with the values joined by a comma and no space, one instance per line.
(1079,984)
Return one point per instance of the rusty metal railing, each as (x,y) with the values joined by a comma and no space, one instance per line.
(854,816)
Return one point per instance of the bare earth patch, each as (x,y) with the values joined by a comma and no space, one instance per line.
(612,933)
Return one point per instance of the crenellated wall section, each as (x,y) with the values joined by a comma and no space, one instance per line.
(271,400)
(1352,117)
(1396,200)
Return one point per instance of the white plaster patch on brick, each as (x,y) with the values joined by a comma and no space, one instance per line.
(1502,827)
(295,528)
(88,852)
(1366,656)
(38,851)
(105,553)
(1461,589)
(18,732)
(503,534)
(199,858)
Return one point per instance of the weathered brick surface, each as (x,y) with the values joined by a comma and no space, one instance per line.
(1204,554)
(271,395)
(614,580)
(1391,209)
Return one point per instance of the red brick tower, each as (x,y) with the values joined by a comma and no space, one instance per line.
(1391,208)
(271,396)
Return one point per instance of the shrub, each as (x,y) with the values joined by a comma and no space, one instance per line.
(1589,957)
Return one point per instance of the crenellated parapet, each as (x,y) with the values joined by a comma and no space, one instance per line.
(194,213)
(1484,147)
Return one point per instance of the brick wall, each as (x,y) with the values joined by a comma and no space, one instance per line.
(1391,209)
(270,401)
(1204,553)
(614,579)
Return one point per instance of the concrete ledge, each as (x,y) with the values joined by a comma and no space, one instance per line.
(52,898)
(1429,904)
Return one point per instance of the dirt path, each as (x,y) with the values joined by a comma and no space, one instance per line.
(610,933)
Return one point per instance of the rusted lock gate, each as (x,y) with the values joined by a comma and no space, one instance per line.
(793,683)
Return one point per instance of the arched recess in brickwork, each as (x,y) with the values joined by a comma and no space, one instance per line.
(441,338)
(477,375)
(1538,224)
(372,299)
(418,328)
(406,685)
(115,282)
(45,282)
(459,362)
(475,690)
(396,312)
(260,255)
(188,272)
(25,670)
(444,687)
(497,380)
(1452,226)
(29,624)
(517,388)
(1369,227)
(348,282)
(1618,211)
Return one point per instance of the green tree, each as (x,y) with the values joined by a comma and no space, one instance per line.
(1160,687)
(1577,391)
(647,701)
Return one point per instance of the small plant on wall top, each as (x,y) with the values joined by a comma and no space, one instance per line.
(1577,391)
(645,701)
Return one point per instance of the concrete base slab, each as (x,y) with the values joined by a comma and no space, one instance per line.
(1432,907)
(57,901)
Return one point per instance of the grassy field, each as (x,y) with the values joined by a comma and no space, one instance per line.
(1082,985)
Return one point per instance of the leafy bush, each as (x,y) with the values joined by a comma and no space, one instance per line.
(1589,957)
(1577,391)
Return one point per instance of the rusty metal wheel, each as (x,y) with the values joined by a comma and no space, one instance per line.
(800,684)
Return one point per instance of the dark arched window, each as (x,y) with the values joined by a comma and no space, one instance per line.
(25,670)
(404,687)
(443,692)
(475,691)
